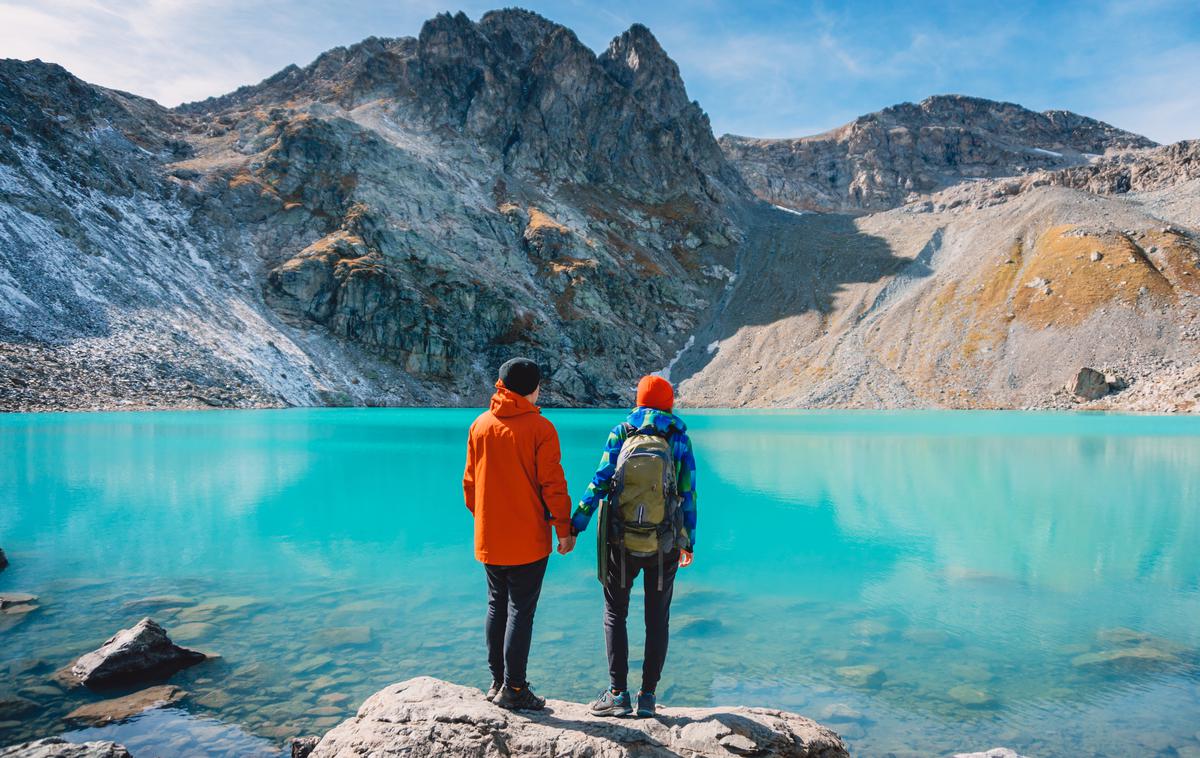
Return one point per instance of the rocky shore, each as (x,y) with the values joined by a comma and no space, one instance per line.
(429,717)
(422,716)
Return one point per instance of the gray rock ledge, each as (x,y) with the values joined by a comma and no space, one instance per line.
(57,747)
(428,717)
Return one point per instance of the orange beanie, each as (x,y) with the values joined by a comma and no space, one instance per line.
(655,392)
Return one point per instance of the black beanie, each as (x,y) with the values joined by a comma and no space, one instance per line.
(521,375)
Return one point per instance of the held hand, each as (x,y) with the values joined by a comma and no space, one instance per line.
(566,544)
(685,558)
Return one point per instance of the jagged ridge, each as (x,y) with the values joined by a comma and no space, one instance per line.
(883,159)
(439,202)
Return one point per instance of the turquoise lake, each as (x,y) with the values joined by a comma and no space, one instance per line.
(1020,579)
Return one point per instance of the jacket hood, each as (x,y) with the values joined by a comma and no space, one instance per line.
(506,403)
(652,418)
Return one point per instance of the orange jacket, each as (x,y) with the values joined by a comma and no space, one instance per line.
(514,483)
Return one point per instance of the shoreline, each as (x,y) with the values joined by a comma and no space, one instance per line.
(426,716)
(1099,406)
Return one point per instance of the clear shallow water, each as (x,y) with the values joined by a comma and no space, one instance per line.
(997,568)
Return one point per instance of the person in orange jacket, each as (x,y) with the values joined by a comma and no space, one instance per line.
(515,488)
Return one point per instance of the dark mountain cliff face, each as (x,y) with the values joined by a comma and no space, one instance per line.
(527,91)
(438,203)
(487,189)
(885,159)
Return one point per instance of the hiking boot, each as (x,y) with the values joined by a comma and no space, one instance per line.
(645,707)
(493,691)
(519,700)
(612,704)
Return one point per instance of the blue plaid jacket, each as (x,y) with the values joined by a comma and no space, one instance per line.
(675,430)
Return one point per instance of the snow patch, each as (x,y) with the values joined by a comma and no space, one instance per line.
(792,211)
(666,372)
(1046,152)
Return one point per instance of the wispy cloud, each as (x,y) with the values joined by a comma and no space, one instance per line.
(1154,96)
(147,47)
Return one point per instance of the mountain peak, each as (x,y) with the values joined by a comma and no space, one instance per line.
(886,158)
(638,62)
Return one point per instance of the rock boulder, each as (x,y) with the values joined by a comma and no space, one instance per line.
(302,747)
(57,747)
(139,653)
(1089,384)
(429,717)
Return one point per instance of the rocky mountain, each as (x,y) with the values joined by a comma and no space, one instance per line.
(884,159)
(384,225)
(390,222)
(991,294)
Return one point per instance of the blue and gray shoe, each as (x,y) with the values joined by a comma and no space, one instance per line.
(612,704)
(646,705)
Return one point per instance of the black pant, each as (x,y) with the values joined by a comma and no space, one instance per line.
(658,615)
(512,600)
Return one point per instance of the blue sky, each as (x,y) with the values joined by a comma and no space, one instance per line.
(761,68)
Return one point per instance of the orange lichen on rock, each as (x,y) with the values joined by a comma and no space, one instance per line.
(1065,281)
(942,299)
(990,301)
(243,178)
(538,219)
(1175,255)
(568,265)
(997,288)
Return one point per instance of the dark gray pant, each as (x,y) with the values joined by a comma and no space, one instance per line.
(513,593)
(658,616)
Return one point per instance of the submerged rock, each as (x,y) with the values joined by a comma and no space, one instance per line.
(3,560)
(344,635)
(972,697)
(195,630)
(13,707)
(1139,655)
(121,708)
(141,652)
(13,599)
(694,626)
(14,607)
(159,601)
(429,717)
(842,713)
(862,676)
(232,603)
(57,747)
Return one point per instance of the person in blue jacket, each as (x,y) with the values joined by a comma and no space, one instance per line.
(653,415)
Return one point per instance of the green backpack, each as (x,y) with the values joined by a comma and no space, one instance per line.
(645,513)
